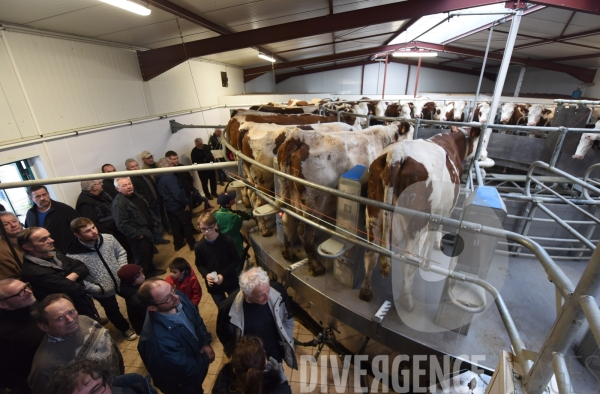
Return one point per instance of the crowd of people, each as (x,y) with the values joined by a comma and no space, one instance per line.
(63,262)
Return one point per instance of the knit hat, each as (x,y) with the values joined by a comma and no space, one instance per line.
(224,198)
(146,154)
(128,273)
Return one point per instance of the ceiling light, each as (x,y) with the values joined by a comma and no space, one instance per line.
(414,54)
(129,6)
(268,58)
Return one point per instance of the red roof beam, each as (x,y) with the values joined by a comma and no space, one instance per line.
(587,6)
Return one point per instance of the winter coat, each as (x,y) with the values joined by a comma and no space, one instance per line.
(172,192)
(171,355)
(188,286)
(98,209)
(202,156)
(214,142)
(103,261)
(149,191)
(220,256)
(130,220)
(230,321)
(57,222)
(271,384)
(136,310)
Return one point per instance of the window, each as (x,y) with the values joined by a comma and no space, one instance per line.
(16,200)
(224,79)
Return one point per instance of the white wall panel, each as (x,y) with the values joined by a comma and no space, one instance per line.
(262,84)
(73,85)
(540,81)
(373,79)
(16,121)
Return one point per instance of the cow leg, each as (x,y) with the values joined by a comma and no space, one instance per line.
(289,228)
(413,248)
(245,198)
(307,235)
(365,293)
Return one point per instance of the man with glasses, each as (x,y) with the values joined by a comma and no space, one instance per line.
(217,259)
(174,344)
(68,337)
(19,334)
(11,255)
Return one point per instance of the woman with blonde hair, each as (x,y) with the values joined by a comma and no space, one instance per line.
(249,371)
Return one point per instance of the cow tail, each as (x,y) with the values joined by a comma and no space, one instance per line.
(388,193)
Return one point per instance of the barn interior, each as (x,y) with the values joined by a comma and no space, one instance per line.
(86,83)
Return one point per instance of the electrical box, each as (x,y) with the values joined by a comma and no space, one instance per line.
(347,258)
(460,301)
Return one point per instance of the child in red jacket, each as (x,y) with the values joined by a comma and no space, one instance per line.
(184,279)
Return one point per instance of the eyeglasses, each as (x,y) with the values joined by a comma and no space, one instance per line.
(99,389)
(169,297)
(205,229)
(20,293)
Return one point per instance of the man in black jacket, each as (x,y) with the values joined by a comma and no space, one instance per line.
(51,272)
(187,181)
(146,186)
(95,204)
(19,334)
(52,215)
(217,259)
(201,154)
(135,220)
(215,144)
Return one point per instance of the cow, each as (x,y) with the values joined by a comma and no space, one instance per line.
(322,159)
(586,142)
(454,111)
(399,111)
(260,142)
(514,114)
(418,105)
(233,127)
(278,110)
(482,112)
(423,175)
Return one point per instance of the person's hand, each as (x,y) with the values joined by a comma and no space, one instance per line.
(209,352)
(141,236)
(187,208)
(210,281)
(272,364)
(72,276)
(220,279)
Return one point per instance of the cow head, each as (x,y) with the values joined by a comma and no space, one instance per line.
(534,114)
(483,112)
(392,110)
(507,112)
(585,143)
(449,107)
(472,135)
(459,109)
(406,110)
(418,107)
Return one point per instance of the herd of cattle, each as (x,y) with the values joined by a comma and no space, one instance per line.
(320,149)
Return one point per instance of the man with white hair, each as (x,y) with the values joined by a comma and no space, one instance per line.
(261,308)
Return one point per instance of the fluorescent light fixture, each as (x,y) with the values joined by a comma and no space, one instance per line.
(129,6)
(414,54)
(268,58)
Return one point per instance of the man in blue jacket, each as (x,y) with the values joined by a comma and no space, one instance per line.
(174,343)
(176,202)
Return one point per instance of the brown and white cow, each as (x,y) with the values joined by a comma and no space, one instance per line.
(233,127)
(260,142)
(586,142)
(423,175)
(514,114)
(454,111)
(540,116)
(482,112)
(322,158)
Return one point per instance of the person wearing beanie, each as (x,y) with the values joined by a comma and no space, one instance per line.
(132,277)
(230,221)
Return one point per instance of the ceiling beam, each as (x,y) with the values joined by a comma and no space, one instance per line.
(189,16)
(581,73)
(323,59)
(156,61)
(587,6)
(283,77)
(330,43)
(559,39)
(401,30)
(579,57)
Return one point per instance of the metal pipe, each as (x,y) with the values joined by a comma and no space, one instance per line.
(586,177)
(118,174)
(582,102)
(555,170)
(529,255)
(528,224)
(555,274)
(520,81)
(501,78)
(487,49)
(561,372)
(580,210)
(385,76)
(565,327)
(417,79)
(510,196)
(564,225)
(592,313)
